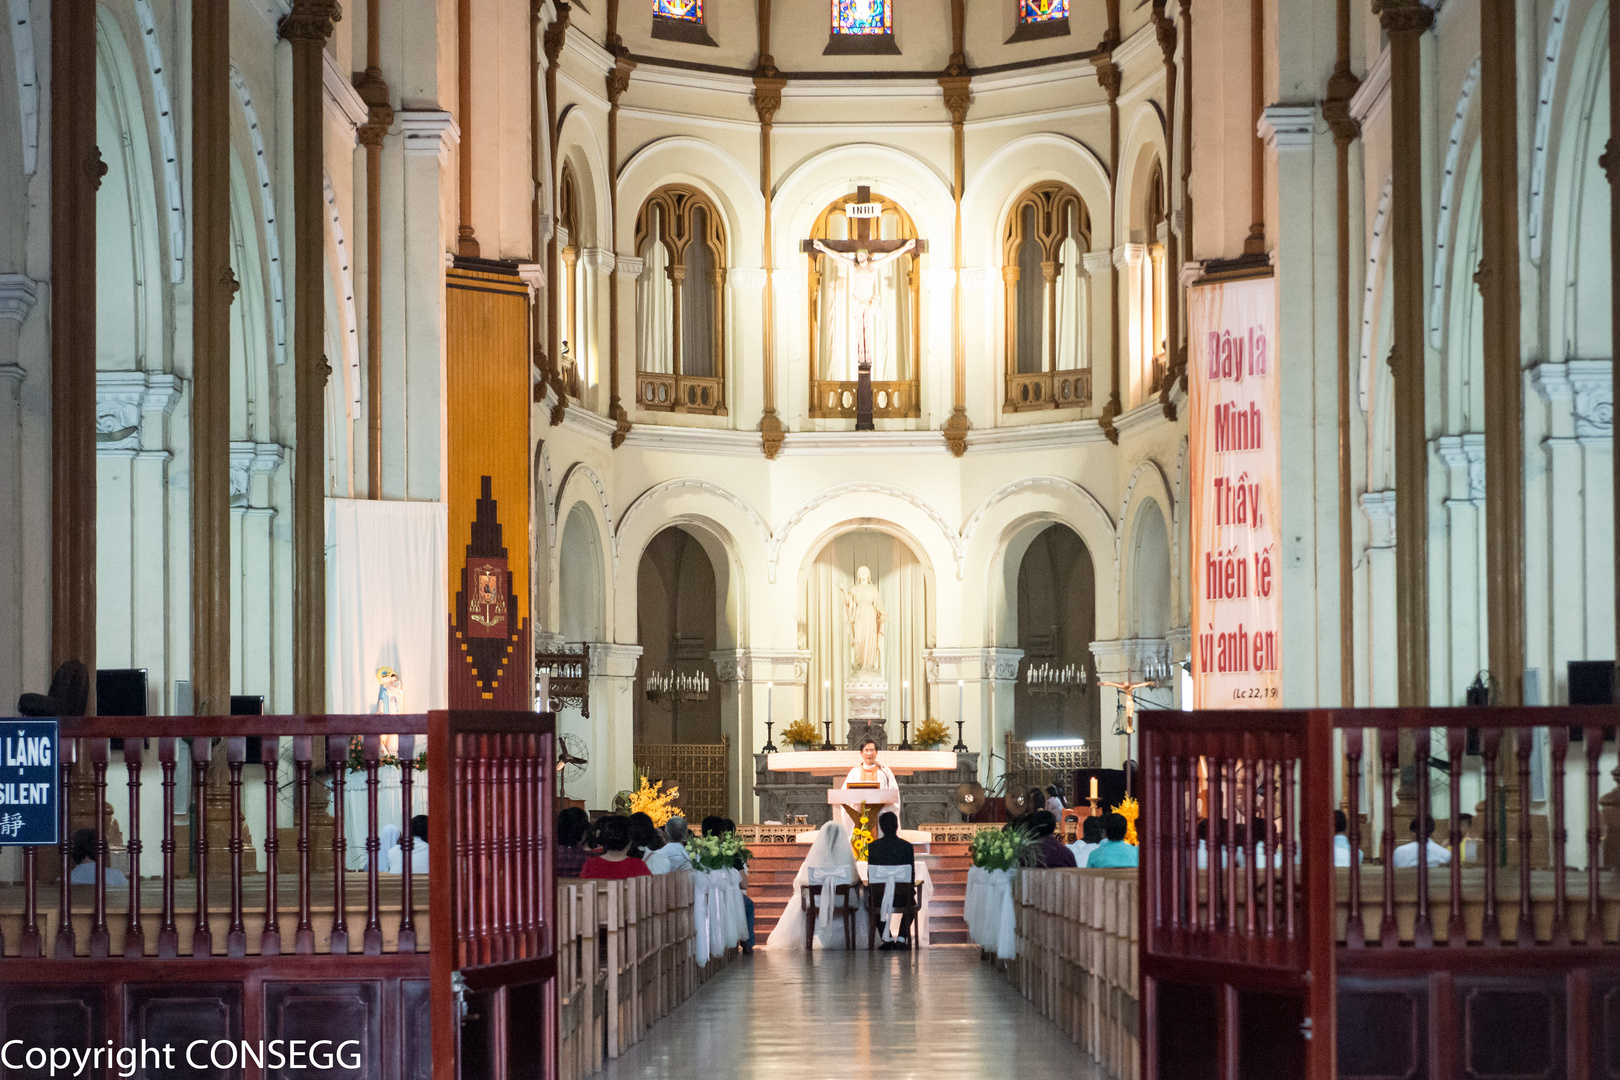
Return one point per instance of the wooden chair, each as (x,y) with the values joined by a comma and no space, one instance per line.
(907,901)
(1077,816)
(846,893)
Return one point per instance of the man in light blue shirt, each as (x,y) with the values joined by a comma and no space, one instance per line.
(1113,851)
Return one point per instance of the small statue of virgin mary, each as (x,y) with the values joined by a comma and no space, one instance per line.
(390,693)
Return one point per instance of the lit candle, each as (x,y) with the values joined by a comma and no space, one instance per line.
(826,688)
(905,688)
(960,697)
(768,688)
(1093,787)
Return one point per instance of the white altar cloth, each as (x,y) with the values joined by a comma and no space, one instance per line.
(839,762)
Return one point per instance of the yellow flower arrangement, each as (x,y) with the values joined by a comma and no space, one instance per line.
(653,801)
(801,733)
(1130,811)
(861,838)
(931,733)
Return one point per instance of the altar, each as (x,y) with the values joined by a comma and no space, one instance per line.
(791,783)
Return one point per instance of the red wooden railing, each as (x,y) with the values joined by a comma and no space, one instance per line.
(1415,975)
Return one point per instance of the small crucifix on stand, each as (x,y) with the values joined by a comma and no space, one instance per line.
(864,254)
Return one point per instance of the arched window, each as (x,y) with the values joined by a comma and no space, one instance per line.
(680,303)
(1048,300)
(856,311)
(1153,280)
(568,299)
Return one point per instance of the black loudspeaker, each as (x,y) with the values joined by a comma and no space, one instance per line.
(121,692)
(249,705)
(1591,682)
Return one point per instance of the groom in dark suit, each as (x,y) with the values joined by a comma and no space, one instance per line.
(890,850)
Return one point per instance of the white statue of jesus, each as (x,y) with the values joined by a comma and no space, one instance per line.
(865,617)
(863,290)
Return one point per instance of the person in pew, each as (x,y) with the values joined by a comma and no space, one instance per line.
(419,849)
(672,856)
(889,850)
(1406,856)
(1113,851)
(1341,842)
(1091,834)
(741,866)
(572,824)
(82,847)
(1468,843)
(644,836)
(1054,801)
(1048,850)
(615,863)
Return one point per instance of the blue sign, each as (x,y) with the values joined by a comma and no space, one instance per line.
(30,782)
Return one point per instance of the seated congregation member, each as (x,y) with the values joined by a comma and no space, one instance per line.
(615,863)
(83,849)
(1091,834)
(644,836)
(1406,856)
(572,823)
(741,866)
(1054,801)
(419,849)
(672,856)
(1048,850)
(1341,842)
(889,850)
(1113,851)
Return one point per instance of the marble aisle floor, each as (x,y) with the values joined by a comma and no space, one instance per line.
(939,1014)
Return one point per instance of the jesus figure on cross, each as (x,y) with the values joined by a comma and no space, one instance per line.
(863,288)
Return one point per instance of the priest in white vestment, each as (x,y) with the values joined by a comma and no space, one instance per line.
(870,772)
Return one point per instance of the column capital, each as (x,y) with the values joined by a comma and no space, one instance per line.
(1398,16)
(428,132)
(311,20)
(17,296)
(612,660)
(1288,127)
(972,665)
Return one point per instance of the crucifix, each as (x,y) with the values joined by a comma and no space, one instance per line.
(862,256)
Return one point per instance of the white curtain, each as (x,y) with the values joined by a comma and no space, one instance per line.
(1073,314)
(655,305)
(386,605)
(386,602)
(903,594)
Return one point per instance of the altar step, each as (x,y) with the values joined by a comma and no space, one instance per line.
(770,884)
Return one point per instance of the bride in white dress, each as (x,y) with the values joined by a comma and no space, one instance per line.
(830,851)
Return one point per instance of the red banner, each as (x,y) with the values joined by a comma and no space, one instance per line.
(1233,383)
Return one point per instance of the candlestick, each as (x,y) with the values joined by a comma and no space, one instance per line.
(827,743)
(905,739)
(961,743)
(826,690)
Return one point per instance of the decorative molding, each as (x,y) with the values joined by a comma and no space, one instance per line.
(1127,254)
(773,549)
(534,276)
(1443,223)
(1052,436)
(1288,127)
(22,53)
(1057,484)
(978,277)
(1096,262)
(601,498)
(1373,93)
(250,459)
(601,260)
(1467,452)
(267,210)
(587,423)
(1128,654)
(786,667)
(1369,294)
(17,295)
(1379,506)
(1542,136)
(971,665)
(751,279)
(610,660)
(13,376)
(343,103)
(1149,414)
(1143,468)
(1585,387)
(427,132)
(863,444)
(657,491)
(351,339)
(167,140)
(631,266)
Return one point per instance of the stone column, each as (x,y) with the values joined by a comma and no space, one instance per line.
(213,288)
(1104,327)
(1382,681)
(307,28)
(1108,74)
(612,721)
(17,295)
(1503,380)
(956,83)
(982,680)
(1405,21)
(618,80)
(76,170)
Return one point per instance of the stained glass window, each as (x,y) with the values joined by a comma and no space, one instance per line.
(686,10)
(1039,11)
(862,17)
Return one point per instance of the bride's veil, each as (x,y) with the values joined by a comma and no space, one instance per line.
(831,849)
